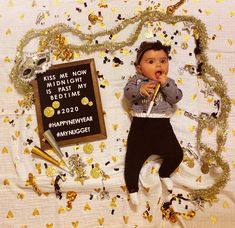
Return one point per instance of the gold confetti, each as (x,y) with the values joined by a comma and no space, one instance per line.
(87,207)
(89,160)
(153,170)
(233,101)
(218,56)
(232,70)
(101,221)
(29,118)
(35,212)
(56,2)
(90,103)
(146,189)
(123,188)
(117,95)
(102,54)
(213,219)
(208,12)
(49,225)
(124,51)
(113,202)
(10,3)
(26,150)
(191,128)
(125,218)
(193,96)
(21,16)
(55,104)
(219,1)
(84,101)
(49,112)
(6,182)
(38,167)
(102,146)
(75,224)
(20,195)
(17,134)
(115,126)
(105,82)
(4,150)
(226,205)
(50,171)
(114,158)
(199,179)
(88,148)
(8,32)
(232,13)
(10,214)
(230,42)
(219,27)
(61,210)
(9,89)
(233,164)
(7,59)
(95,172)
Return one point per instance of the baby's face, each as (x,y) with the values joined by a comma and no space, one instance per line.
(153,64)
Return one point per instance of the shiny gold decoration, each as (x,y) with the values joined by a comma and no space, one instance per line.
(51,140)
(71,196)
(49,39)
(172,8)
(84,100)
(96,171)
(49,112)
(101,221)
(88,148)
(125,219)
(37,151)
(35,212)
(205,168)
(6,182)
(94,18)
(50,171)
(77,167)
(32,182)
(55,104)
(10,214)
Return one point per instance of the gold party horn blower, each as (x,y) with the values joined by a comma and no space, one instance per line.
(51,140)
(37,151)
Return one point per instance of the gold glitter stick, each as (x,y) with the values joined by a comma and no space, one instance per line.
(37,151)
(153,98)
(51,140)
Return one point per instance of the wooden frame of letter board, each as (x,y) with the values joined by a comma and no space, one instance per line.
(89,138)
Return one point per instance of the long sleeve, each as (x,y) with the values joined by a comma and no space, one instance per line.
(171,92)
(132,89)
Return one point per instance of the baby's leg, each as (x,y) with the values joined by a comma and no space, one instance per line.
(137,153)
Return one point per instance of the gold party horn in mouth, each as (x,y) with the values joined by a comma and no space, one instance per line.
(42,154)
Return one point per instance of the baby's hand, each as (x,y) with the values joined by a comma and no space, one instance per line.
(147,89)
(162,78)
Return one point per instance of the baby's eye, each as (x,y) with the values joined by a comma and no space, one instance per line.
(163,61)
(151,61)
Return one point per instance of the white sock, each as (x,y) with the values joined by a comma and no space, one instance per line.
(168,183)
(134,198)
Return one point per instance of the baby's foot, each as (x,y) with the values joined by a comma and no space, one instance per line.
(134,198)
(168,183)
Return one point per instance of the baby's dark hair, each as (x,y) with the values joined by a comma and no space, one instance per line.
(145,46)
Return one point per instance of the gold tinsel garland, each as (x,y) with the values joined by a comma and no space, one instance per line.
(209,76)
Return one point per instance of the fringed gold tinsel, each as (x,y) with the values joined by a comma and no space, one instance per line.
(210,76)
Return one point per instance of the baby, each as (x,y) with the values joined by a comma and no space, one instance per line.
(152,133)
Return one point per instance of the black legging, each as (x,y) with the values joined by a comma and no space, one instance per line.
(149,136)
